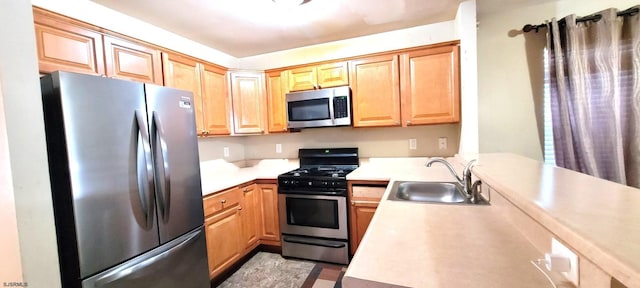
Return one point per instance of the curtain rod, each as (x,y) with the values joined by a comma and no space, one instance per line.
(594,18)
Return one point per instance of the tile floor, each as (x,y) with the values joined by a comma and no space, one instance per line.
(271,270)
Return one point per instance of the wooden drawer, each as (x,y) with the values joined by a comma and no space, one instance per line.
(368,192)
(222,200)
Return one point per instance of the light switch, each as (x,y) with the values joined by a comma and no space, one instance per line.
(413,144)
(226,151)
(278,148)
(442,143)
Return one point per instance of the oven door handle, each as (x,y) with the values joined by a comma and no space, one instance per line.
(303,193)
(316,242)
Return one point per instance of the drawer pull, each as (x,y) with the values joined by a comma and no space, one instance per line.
(223,201)
(365,202)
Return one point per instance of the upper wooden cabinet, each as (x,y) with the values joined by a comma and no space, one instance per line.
(320,76)
(276,103)
(375,91)
(215,100)
(209,86)
(418,87)
(131,61)
(248,101)
(64,46)
(430,86)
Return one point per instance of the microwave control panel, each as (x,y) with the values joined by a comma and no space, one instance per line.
(340,107)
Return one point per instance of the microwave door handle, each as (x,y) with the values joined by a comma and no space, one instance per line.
(331,112)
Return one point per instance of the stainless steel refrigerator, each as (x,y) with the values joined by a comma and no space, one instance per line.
(125,179)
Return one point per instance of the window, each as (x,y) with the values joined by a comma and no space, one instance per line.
(549,150)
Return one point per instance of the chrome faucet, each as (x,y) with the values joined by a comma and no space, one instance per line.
(470,189)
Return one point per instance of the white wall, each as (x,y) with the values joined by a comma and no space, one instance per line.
(10,264)
(510,73)
(466,28)
(212,148)
(26,142)
(398,39)
(372,142)
(104,17)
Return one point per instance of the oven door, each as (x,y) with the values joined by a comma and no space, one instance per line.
(313,215)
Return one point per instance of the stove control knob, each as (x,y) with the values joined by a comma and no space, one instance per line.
(285,182)
(310,183)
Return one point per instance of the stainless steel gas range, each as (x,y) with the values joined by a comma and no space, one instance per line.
(312,205)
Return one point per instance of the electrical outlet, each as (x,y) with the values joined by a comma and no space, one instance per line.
(442,143)
(226,151)
(278,148)
(413,144)
(559,249)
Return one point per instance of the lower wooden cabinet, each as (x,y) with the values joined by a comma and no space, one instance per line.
(270,233)
(237,220)
(223,226)
(250,213)
(364,197)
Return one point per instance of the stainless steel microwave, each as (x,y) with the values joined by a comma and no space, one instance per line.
(319,108)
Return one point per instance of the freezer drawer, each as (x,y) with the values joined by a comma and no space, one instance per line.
(179,263)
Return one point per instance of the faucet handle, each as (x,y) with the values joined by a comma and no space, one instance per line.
(467,168)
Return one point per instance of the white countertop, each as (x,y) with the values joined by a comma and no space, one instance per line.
(219,175)
(598,218)
(411,244)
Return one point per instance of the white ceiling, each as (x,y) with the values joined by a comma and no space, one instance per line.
(250,27)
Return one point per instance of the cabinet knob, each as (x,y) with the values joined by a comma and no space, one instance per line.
(239,207)
(245,190)
(408,122)
(223,201)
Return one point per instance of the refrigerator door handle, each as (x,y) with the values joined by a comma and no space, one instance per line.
(145,188)
(164,194)
(128,270)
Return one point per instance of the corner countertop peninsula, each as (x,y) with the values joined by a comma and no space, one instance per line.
(412,244)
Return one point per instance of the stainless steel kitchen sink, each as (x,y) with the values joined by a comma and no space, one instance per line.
(433,192)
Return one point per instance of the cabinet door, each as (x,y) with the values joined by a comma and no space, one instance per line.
(270,225)
(303,78)
(250,217)
(276,104)
(184,73)
(224,245)
(215,100)
(430,86)
(361,214)
(375,91)
(333,74)
(130,61)
(63,46)
(248,102)
(364,198)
